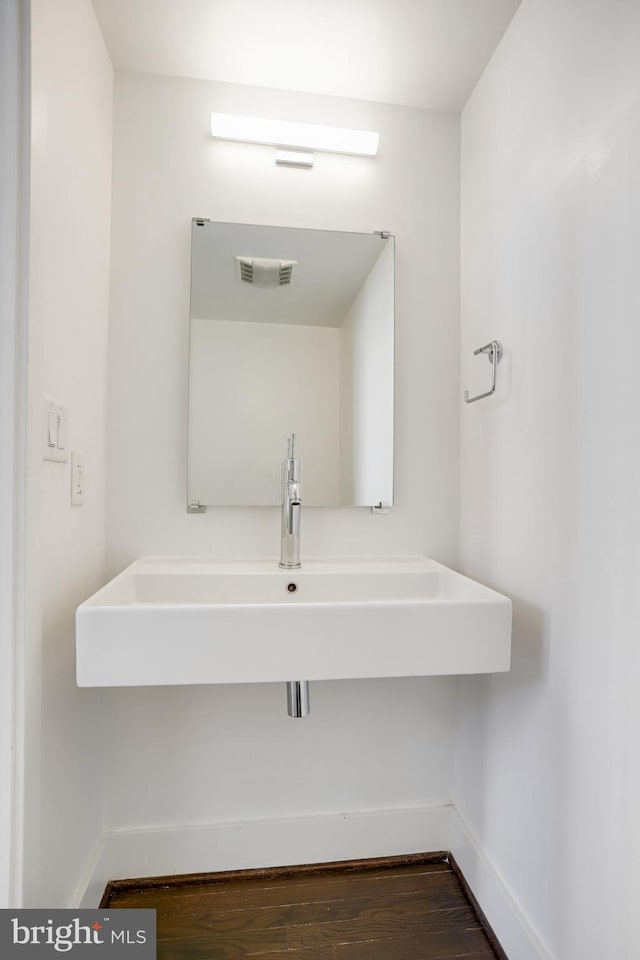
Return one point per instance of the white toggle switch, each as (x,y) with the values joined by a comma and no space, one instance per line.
(52,439)
(77,479)
(55,444)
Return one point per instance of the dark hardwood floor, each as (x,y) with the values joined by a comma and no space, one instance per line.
(412,908)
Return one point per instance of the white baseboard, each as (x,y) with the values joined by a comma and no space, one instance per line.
(505,916)
(167,851)
(251,844)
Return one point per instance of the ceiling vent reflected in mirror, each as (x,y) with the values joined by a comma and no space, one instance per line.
(264,272)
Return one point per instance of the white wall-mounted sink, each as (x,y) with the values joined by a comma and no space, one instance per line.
(198,620)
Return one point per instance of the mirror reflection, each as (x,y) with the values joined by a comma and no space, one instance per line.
(291,332)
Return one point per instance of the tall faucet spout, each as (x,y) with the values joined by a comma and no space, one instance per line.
(291,509)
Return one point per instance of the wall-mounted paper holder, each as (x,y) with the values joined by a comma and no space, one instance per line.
(493,351)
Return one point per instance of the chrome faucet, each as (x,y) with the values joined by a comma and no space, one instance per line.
(290,494)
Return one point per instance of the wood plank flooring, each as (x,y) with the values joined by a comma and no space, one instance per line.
(413,908)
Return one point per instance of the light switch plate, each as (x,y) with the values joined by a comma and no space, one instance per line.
(55,431)
(77,479)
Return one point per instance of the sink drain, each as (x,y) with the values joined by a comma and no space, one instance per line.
(292,587)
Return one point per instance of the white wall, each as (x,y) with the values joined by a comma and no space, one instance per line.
(166,166)
(72,83)
(367,377)
(205,755)
(237,437)
(547,777)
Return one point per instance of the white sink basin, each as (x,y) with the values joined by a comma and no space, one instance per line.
(196,620)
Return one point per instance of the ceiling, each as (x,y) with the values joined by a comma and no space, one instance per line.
(329,270)
(419,53)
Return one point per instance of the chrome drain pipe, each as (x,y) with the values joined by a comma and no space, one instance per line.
(298,698)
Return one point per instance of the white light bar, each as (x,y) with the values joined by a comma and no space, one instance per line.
(305,136)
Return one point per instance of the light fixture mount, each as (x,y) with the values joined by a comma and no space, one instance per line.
(285,156)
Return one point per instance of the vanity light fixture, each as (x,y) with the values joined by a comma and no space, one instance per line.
(294,142)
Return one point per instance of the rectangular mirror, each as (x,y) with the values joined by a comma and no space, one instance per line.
(291,332)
